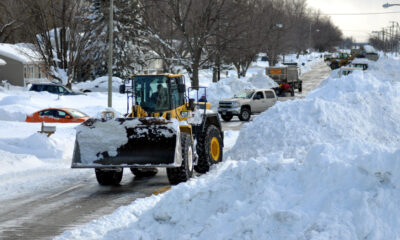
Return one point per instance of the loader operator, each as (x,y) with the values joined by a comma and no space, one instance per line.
(160,98)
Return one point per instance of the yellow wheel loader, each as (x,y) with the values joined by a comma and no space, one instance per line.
(163,128)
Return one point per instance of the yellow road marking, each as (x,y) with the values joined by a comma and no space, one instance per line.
(162,190)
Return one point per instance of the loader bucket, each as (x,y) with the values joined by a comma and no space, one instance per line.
(127,142)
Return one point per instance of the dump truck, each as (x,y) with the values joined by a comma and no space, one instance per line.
(162,128)
(283,75)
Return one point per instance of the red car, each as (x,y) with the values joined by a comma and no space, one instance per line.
(58,115)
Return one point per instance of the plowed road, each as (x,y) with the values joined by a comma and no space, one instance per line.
(45,214)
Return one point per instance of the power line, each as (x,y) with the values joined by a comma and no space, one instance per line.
(358,14)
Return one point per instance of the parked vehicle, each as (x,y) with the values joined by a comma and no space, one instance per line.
(359,65)
(372,56)
(284,75)
(52,88)
(247,103)
(58,115)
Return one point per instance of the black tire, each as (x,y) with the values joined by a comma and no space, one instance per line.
(204,149)
(144,172)
(300,87)
(109,177)
(227,117)
(245,114)
(185,171)
(334,65)
(292,92)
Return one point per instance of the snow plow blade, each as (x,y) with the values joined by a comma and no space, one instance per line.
(127,142)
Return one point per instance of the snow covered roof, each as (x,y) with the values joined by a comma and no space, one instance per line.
(2,62)
(19,52)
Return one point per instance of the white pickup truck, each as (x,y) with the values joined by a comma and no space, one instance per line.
(247,103)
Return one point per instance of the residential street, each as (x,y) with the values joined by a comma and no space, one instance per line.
(45,214)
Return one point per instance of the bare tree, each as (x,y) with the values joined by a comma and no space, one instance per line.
(195,24)
(12,17)
(56,27)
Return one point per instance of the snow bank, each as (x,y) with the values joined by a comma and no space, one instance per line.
(324,167)
(99,85)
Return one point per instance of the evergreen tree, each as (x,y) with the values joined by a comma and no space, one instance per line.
(128,56)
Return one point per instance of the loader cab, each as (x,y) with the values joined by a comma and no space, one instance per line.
(159,93)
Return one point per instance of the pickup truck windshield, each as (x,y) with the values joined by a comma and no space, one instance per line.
(245,95)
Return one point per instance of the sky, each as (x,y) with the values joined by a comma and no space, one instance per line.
(358,26)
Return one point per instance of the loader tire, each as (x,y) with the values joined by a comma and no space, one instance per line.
(209,149)
(144,172)
(109,177)
(185,171)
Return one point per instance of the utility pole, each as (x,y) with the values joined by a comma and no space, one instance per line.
(392,38)
(383,39)
(110,53)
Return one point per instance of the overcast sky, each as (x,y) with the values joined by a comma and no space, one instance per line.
(359,26)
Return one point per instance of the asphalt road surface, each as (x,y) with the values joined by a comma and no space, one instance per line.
(43,215)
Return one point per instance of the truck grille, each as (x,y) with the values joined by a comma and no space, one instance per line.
(225,104)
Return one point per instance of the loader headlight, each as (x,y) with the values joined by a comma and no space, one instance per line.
(235,104)
(184,114)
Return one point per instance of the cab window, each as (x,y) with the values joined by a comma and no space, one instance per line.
(176,98)
(269,94)
(259,95)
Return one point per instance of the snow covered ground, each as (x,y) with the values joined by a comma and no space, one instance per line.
(323,167)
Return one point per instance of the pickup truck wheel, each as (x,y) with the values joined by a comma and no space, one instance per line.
(300,87)
(292,92)
(144,172)
(109,177)
(227,117)
(185,171)
(245,114)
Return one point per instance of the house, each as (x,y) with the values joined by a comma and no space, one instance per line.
(22,65)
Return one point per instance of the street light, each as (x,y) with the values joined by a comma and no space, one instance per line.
(387,5)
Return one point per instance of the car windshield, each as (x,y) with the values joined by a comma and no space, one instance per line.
(76,113)
(244,94)
(152,93)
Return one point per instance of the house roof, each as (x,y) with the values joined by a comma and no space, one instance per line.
(2,62)
(19,52)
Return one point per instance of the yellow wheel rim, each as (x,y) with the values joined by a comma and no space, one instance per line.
(215,149)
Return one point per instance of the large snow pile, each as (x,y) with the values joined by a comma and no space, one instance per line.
(324,167)
(370,49)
